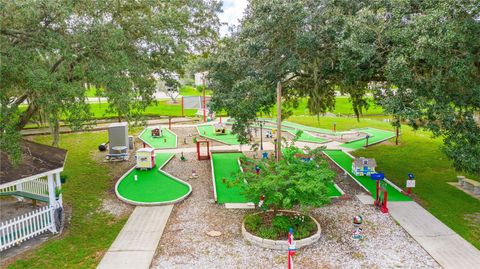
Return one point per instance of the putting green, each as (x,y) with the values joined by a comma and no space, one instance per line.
(225,166)
(153,186)
(345,161)
(376,136)
(168,140)
(208,131)
(307,137)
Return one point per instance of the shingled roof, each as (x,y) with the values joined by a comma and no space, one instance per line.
(36,159)
(369,162)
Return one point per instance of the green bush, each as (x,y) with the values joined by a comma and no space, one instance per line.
(267,232)
(253,222)
(281,224)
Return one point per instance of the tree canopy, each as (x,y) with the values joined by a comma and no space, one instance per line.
(421,59)
(51,51)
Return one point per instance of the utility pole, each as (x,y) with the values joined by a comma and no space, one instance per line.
(204,101)
(279,121)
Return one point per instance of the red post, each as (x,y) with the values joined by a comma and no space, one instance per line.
(220,119)
(409,190)
(384,207)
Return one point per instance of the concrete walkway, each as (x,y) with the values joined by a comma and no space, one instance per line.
(137,242)
(442,243)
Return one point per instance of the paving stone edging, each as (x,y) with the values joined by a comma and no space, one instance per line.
(281,244)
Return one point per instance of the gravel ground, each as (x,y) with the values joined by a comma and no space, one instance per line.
(185,244)
(185,134)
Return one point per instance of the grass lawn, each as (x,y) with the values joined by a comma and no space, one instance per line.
(343,107)
(421,155)
(152,185)
(162,108)
(192,91)
(91,231)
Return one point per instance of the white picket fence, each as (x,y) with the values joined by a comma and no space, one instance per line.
(22,228)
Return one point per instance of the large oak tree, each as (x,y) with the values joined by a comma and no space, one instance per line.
(421,58)
(51,50)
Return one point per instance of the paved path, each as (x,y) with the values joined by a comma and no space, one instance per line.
(442,243)
(137,242)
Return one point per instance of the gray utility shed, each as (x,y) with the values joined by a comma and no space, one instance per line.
(117,136)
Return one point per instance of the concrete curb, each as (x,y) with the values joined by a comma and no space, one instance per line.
(281,244)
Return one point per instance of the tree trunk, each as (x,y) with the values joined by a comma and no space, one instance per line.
(55,130)
(279,121)
(26,116)
(397,134)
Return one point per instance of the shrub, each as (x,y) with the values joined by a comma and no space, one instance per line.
(281,224)
(252,222)
(267,232)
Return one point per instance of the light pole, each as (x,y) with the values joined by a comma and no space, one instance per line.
(261,135)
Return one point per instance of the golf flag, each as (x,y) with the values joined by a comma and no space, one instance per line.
(291,248)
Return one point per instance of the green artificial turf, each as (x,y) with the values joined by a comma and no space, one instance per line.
(208,131)
(225,166)
(332,191)
(376,136)
(168,140)
(345,161)
(306,137)
(152,185)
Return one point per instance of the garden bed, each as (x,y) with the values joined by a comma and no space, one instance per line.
(269,231)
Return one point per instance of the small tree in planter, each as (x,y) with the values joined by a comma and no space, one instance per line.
(291,182)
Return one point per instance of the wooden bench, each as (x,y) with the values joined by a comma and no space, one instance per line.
(26,195)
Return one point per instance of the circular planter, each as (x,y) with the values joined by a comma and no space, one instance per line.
(281,244)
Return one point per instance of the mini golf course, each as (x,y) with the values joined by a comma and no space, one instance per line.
(376,136)
(225,165)
(153,186)
(208,131)
(345,161)
(167,141)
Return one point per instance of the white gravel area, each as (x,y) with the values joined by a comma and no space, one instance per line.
(185,243)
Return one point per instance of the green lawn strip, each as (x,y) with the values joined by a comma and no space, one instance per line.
(345,161)
(152,185)
(159,142)
(208,131)
(192,91)
(376,136)
(225,166)
(91,230)
(343,106)
(308,137)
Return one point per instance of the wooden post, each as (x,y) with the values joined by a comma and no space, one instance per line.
(183,110)
(279,121)
(169,122)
